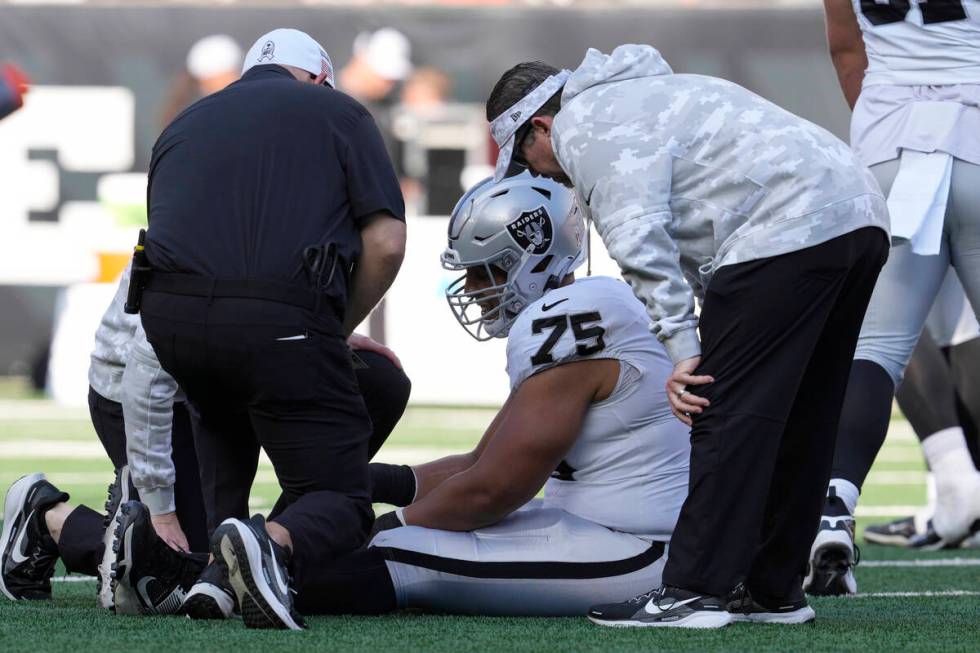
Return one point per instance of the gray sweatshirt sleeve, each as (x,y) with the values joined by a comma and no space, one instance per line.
(628,193)
(148,400)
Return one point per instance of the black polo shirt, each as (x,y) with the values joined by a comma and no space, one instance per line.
(245,179)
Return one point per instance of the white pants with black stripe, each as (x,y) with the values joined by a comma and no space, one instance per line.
(539,561)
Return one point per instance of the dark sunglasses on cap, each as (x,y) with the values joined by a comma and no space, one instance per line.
(517,156)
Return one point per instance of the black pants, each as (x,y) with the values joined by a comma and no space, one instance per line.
(778,335)
(385,389)
(262,373)
(80,545)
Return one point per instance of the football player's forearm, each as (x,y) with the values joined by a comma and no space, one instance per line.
(429,476)
(460,505)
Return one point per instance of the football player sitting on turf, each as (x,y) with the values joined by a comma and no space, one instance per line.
(587,420)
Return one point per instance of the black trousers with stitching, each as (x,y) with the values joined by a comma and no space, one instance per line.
(778,335)
(265,374)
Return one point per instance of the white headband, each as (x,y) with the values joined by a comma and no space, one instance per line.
(505,126)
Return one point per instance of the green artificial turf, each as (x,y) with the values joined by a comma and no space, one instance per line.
(71,622)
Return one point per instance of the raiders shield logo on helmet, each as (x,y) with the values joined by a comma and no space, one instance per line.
(532,230)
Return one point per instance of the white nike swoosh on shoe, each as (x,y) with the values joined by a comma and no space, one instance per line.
(141,590)
(301,336)
(653,608)
(283,587)
(15,552)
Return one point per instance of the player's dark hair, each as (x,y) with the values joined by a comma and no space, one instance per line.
(518,82)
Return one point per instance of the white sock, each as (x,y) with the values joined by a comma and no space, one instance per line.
(947,453)
(846,492)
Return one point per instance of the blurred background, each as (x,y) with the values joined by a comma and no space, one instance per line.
(107,76)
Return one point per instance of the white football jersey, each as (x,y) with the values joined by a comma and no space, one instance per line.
(628,470)
(920,42)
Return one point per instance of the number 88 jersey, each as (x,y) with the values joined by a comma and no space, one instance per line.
(628,469)
(920,42)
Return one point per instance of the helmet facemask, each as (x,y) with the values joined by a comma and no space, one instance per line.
(467,306)
(526,228)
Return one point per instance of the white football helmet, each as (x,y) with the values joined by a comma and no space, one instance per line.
(529,228)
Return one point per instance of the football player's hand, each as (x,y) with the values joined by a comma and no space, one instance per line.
(357,341)
(386,522)
(168,529)
(682,402)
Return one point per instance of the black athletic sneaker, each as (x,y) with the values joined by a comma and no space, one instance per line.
(257,572)
(743,607)
(929,541)
(833,555)
(118,495)
(894,533)
(156,575)
(28,552)
(211,597)
(666,606)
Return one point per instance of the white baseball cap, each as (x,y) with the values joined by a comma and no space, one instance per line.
(213,55)
(387,51)
(290,47)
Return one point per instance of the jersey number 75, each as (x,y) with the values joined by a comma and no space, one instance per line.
(895,11)
(588,338)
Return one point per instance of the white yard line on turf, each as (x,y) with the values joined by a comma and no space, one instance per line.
(887,511)
(936,562)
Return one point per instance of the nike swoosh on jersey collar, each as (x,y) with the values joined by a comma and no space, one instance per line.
(548,307)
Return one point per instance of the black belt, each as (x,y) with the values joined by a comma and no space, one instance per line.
(193,285)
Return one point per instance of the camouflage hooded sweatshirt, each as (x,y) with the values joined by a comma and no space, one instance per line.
(683,174)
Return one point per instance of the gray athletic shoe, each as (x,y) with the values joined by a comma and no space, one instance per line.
(257,573)
(27,552)
(898,532)
(743,607)
(664,607)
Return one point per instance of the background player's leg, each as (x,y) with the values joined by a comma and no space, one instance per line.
(903,296)
(957,479)
(964,360)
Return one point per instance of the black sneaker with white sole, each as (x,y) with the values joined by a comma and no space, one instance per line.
(664,607)
(257,573)
(929,541)
(743,607)
(211,597)
(833,555)
(118,495)
(28,553)
(898,532)
(156,575)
